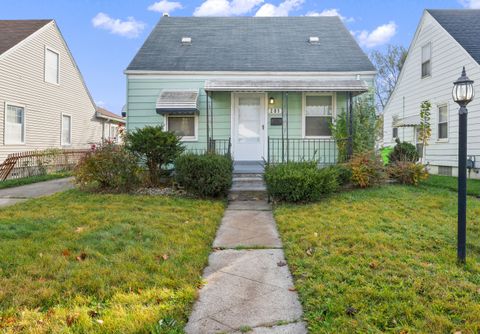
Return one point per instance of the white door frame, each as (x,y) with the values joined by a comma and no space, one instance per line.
(233,111)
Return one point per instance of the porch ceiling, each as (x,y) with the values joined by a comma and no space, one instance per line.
(355,86)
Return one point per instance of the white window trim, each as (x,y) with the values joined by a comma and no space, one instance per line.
(304,103)
(48,48)
(189,138)
(61,130)
(443,140)
(24,134)
(421,61)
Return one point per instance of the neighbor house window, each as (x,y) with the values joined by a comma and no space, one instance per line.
(443,122)
(183,126)
(14,125)
(394,133)
(52,66)
(66,130)
(318,115)
(426,60)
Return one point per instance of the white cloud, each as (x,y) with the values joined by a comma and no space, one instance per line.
(226,7)
(472,4)
(379,36)
(331,12)
(283,9)
(101,104)
(165,6)
(128,28)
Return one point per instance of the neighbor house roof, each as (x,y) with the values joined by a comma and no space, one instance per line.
(104,113)
(463,25)
(266,44)
(13,32)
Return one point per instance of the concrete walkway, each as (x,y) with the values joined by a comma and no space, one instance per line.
(248,287)
(14,195)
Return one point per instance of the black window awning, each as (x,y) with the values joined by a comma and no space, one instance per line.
(177,102)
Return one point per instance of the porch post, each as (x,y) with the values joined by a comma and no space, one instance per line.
(207,119)
(350,126)
(283,129)
(286,103)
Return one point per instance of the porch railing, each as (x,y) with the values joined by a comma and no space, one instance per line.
(324,151)
(219,146)
(32,163)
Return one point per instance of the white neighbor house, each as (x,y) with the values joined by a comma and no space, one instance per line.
(445,41)
(44,102)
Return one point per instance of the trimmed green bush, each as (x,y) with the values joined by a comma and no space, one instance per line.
(109,168)
(403,151)
(344,173)
(157,147)
(300,181)
(206,175)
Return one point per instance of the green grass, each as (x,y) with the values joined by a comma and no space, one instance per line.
(32,179)
(451,183)
(384,260)
(85,263)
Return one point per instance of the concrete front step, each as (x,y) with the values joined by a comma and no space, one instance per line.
(247,195)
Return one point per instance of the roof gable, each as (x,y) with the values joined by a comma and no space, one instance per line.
(463,25)
(267,44)
(13,32)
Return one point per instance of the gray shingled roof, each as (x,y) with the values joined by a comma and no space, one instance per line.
(463,25)
(278,44)
(13,32)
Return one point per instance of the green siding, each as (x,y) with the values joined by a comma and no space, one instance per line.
(142,94)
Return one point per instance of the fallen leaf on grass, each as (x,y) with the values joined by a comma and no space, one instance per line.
(373,264)
(100,321)
(71,318)
(81,257)
(351,311)
(79,229)
(310,251)
(93,313)
(66,252)
(292,289)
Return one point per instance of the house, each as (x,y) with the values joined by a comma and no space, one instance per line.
(112,125)
(445,41)
(259,88)
(44,102)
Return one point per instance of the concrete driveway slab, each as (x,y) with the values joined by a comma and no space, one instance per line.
(38,189)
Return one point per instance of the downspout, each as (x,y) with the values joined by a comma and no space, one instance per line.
(208,129)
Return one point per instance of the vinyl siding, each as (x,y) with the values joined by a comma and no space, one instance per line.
(447,60)
(22,82)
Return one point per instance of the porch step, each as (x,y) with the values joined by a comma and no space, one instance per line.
(247,187)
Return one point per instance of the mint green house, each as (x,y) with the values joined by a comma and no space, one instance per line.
(258,88)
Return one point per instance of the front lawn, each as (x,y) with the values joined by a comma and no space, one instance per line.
(451,183)
(384,260)
(83,263)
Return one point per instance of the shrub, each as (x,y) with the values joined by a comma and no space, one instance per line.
(367,170)
(403,151)
(207,175)
(157,147)
(344,173)
(300,181)
(407,172)
(110,167)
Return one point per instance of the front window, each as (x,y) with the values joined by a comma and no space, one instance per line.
(443,122)
(183,126)
(426,60)
(15,125)
(318,115)
(66,130)
(52,66)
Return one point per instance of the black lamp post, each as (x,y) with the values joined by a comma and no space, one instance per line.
(462,94)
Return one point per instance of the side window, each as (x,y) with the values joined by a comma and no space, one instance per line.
(443,122)
(66,130)
(14,124)
(52,66)
(426,60)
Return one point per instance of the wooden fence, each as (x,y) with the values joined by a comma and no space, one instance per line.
(31,163)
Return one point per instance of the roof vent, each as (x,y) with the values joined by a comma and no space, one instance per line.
(165,15)
(186,40)
(313,40)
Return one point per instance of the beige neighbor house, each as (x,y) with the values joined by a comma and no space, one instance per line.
(44,102)
(445,41)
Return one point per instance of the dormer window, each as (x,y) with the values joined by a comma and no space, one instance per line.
(426,60)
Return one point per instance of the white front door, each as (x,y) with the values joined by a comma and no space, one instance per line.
(248,126)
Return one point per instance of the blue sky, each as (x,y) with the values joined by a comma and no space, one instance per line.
(104,35)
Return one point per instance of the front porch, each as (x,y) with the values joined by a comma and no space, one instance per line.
(268,121)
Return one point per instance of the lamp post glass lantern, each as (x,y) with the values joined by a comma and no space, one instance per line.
(462,94)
